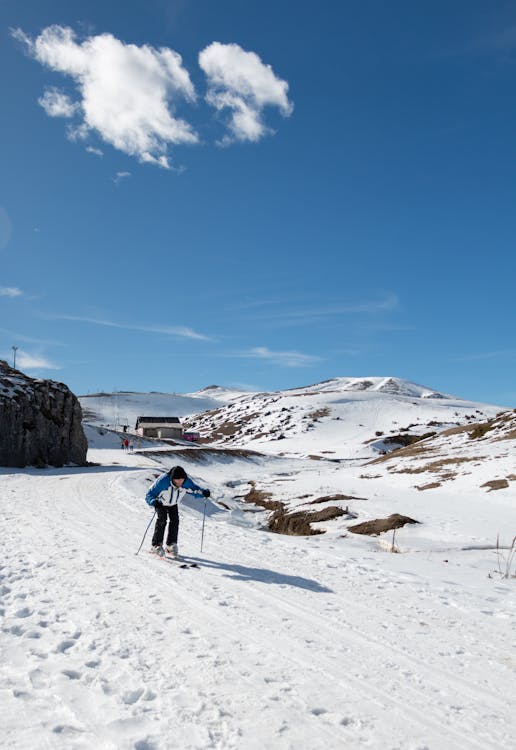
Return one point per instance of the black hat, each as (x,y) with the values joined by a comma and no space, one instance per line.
(177,472)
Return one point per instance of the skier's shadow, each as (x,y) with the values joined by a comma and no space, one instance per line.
(262,575)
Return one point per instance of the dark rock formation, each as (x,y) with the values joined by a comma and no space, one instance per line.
(40,422)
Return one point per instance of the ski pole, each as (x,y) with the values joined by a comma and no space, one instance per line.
(146,530)
(203,519)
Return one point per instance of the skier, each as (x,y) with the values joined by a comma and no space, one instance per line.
(166,507)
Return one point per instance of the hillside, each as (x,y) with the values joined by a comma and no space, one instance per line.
(124,407)
(342,418)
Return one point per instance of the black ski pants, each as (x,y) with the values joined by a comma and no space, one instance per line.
(166,513)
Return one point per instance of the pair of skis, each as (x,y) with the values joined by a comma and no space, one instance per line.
(178,560)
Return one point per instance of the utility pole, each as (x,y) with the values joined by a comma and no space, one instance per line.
(15,349)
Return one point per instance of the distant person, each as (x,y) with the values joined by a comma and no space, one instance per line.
(126,444)
(131,446)
(167,507)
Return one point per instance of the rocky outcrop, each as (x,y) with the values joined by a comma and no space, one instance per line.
(40,422)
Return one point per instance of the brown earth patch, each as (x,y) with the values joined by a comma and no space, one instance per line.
(261,498)
(496,484)
(380,525)
(509,436)
(435,466)
(316,415)
(405,440)
(299,523)
(333,499)
(430,486)
(412,450)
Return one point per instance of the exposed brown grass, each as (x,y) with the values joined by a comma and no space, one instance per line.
(417,449)
(318,414)
(299,522)
(496,484)
(380,525)
(435,466)
(334,499)
(430,486)
(261,498)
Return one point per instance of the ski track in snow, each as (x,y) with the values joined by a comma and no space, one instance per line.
(276,642)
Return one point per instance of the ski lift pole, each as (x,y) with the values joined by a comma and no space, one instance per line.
(203,520)
(146,530)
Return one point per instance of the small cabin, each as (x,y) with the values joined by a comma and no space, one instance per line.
(159,427)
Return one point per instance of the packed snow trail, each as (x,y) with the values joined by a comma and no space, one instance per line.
(276,642)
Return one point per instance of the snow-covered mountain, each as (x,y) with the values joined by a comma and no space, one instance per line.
(339,418)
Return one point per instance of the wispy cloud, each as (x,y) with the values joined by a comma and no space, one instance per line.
(57,104)
(240,82)
(93,150)
(309,312)
(120,176)
(178,331)
(26,361)
(10,291)
(126,92)
(283,359)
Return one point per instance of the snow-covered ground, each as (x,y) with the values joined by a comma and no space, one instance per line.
(124,407)
(281,642)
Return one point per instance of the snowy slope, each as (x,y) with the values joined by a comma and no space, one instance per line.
(341,418)
(123,408)
(276,642)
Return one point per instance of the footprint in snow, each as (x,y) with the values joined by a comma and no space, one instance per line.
(64,646)
(132,696)
(24,612)
(71,674)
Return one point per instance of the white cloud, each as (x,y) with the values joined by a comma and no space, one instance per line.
(284,359)
(26,361)
(96,151)
(240,81)
(57,104)
(120,176)
(127,92)
(180,331)
(10,291)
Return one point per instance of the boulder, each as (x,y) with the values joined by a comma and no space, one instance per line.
(40,422)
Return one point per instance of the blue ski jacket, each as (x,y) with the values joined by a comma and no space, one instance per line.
(164,483)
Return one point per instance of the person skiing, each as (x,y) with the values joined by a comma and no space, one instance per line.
(167,506)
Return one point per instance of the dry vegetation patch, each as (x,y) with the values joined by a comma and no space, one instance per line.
(334,499)
(261,498)
(436,466)
(299,522)
(380,525)
(496,484)
(319,413)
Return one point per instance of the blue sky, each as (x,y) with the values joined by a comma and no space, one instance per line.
(264,194)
